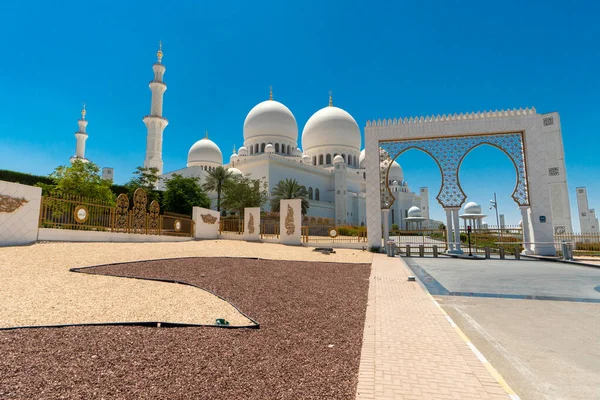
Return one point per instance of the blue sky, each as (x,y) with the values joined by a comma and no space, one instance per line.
(381,60)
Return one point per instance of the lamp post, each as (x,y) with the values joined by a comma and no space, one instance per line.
(494,204)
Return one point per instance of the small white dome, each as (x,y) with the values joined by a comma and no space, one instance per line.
(243,151)
(395,172)
(361,159)
(233,158)
(306,159)
(395,183)
(414,211)
(298,151)
(269,148)
(338,159)
(331,126)
(234,171)
(204,151)
(270,118)
(472,208)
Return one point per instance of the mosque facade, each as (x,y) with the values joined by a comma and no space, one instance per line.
(330,163)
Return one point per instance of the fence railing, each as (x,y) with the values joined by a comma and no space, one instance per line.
(79,213)
(333,234)
(581,241)
(427,238)
(269,230)
(231,226)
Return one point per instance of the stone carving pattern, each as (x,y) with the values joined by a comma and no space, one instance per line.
(553,171)
(290,227)
(8,204)
(548,121)
(208,219)
(154,217)
(448,153)
(251,224)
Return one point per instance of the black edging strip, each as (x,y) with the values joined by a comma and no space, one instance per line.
(80,270)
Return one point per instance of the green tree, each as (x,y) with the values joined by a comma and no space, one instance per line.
(214,182)
(241,192)
(182,194)
(81,179)
(145,178)
(289,189)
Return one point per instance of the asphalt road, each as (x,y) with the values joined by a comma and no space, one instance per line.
(544,349)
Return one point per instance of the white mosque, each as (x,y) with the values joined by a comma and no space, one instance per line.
(330,163)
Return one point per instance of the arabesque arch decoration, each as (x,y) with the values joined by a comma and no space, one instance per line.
(448,153)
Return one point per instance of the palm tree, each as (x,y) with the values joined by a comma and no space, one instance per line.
(289,189)
(214,182)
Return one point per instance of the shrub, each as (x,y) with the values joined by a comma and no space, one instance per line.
(375,249)
(395,227)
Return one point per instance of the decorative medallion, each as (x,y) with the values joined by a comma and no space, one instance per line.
(251,224)
(290,228)
(333,232)
(81,214)
(208,219)
(138,219)
(9,204)
(177,225)
(122,212)
(560,230)
(154,217)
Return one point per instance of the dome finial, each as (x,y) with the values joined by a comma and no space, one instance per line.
(234,149)
(206,134)
(270,92)
(83,112)
(159,53)
(330,99)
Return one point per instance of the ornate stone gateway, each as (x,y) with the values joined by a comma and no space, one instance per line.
(521,134)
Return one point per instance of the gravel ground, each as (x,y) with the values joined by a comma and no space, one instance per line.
(38,289)
(308,345)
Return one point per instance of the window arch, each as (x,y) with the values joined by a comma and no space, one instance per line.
(310,193)
(320,159)
(317,194)
(289,150)
(314,160)
(256,148)
(344,157)
(364,175)
(262,147)
(276,147)
(328,159)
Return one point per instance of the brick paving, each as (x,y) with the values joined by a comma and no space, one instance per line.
(410,351)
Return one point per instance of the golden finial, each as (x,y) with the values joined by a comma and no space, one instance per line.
(83,112)
(159,53)
(270,92)
(234,149)
(206,134)
(330,99)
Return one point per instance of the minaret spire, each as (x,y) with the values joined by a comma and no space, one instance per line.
(270,92)
(330,99)
(206,134)
(81,137)
(234,149)
(155,122)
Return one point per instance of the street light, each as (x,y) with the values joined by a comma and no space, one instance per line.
(494,204)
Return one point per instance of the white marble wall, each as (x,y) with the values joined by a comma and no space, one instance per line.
(19,213)
(293,235)
(252,223)
(207,227)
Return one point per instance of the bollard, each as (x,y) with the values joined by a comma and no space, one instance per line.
(421,250)
(390,248)
(517,254)
(435,250)
(408,250)
(487,252)
(501,251)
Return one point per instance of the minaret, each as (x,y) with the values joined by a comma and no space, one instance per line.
(81,137)
(155,123)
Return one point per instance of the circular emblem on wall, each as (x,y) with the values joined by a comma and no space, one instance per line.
(333,232)
(177,225)
(81,214)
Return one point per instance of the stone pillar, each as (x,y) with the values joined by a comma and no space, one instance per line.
(290,222)
(252,223)
(206,223)
(526,233)
(386,227)
(449,230)
(456,232)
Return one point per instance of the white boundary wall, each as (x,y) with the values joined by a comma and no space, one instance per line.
(296,237)
(535,128)
(71,235)
(19,226)
(205,230)
(255,212)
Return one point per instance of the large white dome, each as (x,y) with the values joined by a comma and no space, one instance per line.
(270,118)
(395,172)
(331,126)
(414,212)
(204,151)
(472,208)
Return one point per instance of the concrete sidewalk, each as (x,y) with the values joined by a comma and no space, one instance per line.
(411,350)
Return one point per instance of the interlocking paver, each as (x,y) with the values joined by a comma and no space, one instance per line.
(410,350)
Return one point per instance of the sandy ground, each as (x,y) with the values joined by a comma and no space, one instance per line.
(39,289)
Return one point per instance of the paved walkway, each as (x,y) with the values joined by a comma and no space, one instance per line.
(411,350)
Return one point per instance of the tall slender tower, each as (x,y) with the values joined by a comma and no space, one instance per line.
(81,137)
(155,123)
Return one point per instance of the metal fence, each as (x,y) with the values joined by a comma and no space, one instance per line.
(509,237)
(415,238)
(269,229)
(583,242)
(333,234)
(233,226)
(79,213)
